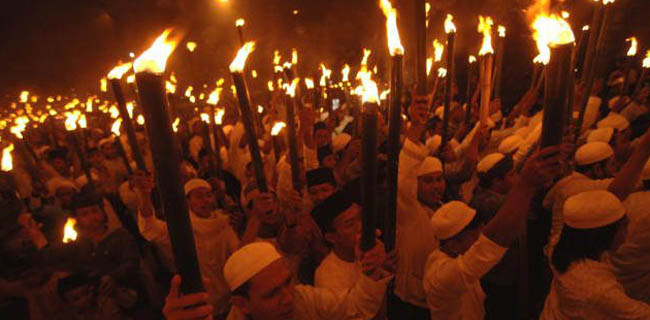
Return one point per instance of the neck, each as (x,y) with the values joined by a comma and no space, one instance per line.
(344,254)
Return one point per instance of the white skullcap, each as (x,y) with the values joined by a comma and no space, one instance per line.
(440,112)
(56,183)
(601,135)
(645,174)
(248,261)
(195,184)
(489,161)
(510,144)
(429,165)
(592,209)
(614,120)
(593,152)
(104,141)
(340,141)
(451,218)
(433,143)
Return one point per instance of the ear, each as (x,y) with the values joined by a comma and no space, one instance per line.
(241,303)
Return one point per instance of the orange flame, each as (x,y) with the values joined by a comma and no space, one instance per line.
(277,127)
(188,91)
(472,59)
(309,83)
(276,57)
(646,60)
(291,89)
(366,54)
(218,117)
(294,56)
(7,161)
(485,27)
(269,85)
(438,50)
(633,46)
(240,22)
(175,124)
(119,71)
(429,65)
(502,31)
(71,121)
(394,43)
(155,58)
(103,85)
(170,87)
(326,75)
(140,120)
(345,72)
(82,121)
(384,94)
(370,91)
(550,30)
(213,99)
(24,95)
(69,233)
(442,72)
(449,24)
(238,63)
(115,128)
(129,109)
(191,46)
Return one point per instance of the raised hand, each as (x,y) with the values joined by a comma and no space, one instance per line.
(185,307)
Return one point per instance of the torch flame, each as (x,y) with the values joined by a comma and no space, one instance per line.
(438,50)
(240,22)
(71,121)
(269,85)
(326,74)
(238,63)
(366,54)
(502,31)
(69,233)
(276,57)
(291,89)
(140,120)
(260,109)
(550,30)
(218,118)
(154,59)
(429,65)
(170,87)
(213,99)
(646,61)
(449,24)
(277,127)
(119,71)
(188,91)
(370,90)
(175,124)
(82,121)
(115,128)
(472,59)
(103,85)
(191,45)
(346,73)
(608,1)
(633,46)
(205,117)
(309,83)
(254,74)
(442,72)
(384,94)
(24,95)
(294,56)
(129,109)
(485,27)
(394,43)
(585,27)
(7,161)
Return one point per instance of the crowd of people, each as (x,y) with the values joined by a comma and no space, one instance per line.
(489,224)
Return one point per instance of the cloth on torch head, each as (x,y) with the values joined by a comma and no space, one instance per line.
(510,144)
(593,152)
(614,120)
(248,261)
(489,161)
(429,165)
(195,184)
(592,209)
(451,219)
(601,135)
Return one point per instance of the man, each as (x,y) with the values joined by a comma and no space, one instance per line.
(260,281)
(112,157)
(322,135)
(82,300)
(321,184)
(468,250)
(108,179)
(207,225)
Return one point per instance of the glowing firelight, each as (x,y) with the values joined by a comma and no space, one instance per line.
(191,46)
(205,117)
(240,22)
(585,27)
(449,24)
(254,74)
(103,85)
(502,31)
(140,120)
(370,91)
(24,95)
(325,76)
(429,65)
(646,60)
(175,124)
(213,99)
(384,94)
(218,117)
(294,56)
(550,30)
(485,27)
(71,121)
(472,59)
(345,72)
(269,85)
(115,128)
(442,72)
(69,233)
(394,43)
(291,89)
(366,54)
(309,83)
(277,127)
(7,161)
(129,109)
(438,50)
(188,91)
(633,46)
(276,57)
(170,87)
(119,71)
(260,109)
(82,121)
(238,63)
(154,59)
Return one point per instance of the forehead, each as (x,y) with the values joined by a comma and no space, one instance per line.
(272,276)
(432,175)
(199,192)
(352,212)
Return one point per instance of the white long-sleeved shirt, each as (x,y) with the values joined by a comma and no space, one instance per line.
(310,303)
(589,290)
(452,285)
(336,274)
(415,238)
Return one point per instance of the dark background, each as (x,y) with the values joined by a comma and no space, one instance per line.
(55,46)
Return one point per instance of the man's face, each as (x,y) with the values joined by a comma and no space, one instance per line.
(431,187)
(64,195)
(320,192)
(271,294)
(347,227)
(322,137)
(61,166)
(265,205)
(109,150)
(90,218)
(329,161)
(201,201)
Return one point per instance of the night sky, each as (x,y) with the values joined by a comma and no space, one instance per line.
(53,46)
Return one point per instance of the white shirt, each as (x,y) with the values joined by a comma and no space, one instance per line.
(415,239)
(589,290)
(311,303)
(452,285)
(336,274)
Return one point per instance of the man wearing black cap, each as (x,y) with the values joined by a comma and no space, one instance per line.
(320,184)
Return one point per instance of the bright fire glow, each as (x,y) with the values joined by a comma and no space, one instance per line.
(213,99)
(240,22)
(472,59)
(119,71)
(485,27)
(191,46)
(384,94)
(294,56)
(260,109)
(550,31)
(394,43)
(442,72)
(82,121)
(309,83)
(129,109)
(71,121)
(269,85)
(646,60)
(154,59)
(291,89)
(370,90)
(276,57)
(449,24)
(218,118)
(345,72)
(502,31)
(205,117)
(140,120)
(438,50)
(633,46)
(170,87)
(254,74)
(103,85)
(238,63)
(429,65)
(24,95)
(130,78)
(326,75)
(7,162)
(188,91)
(277,127)
(366,55)
(115,128)
(69,233)
(585,27)
(175,124)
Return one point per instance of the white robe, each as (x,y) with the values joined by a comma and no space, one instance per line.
(336,274)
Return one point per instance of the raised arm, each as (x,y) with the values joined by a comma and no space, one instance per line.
(627,178)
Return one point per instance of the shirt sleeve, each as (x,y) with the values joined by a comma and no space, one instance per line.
(450,278)
(153,229)
(363,301)
(615,304)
